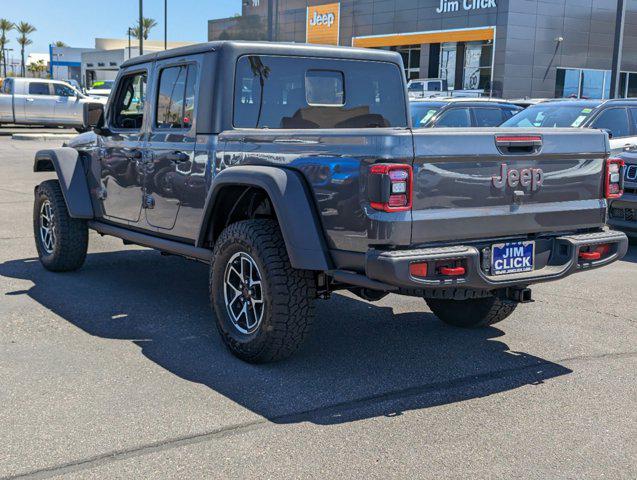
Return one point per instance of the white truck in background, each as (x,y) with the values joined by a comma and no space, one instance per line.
(38,101)
(436,87)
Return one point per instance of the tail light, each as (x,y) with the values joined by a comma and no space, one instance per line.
(614,186)
(390,187)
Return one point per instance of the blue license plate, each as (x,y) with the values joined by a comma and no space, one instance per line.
(512,257)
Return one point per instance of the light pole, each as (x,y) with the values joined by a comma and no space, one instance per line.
(141,27)
(165,24)
(129,35)
(6,58)
(616,68)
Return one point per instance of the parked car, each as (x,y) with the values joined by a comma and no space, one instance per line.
(36,101)
(293,171)
(101,88)
(617,117)
(461,113)
(437,87)
(623,211)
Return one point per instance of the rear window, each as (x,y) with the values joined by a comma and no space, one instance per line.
(550,115)
(293,92)
(38,88)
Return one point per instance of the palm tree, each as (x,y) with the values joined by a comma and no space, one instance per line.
(5,27)
(147,25)
(59,43)
(24,29)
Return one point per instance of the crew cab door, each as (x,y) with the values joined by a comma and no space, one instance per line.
(468,183)
(122,157)
(171,143)
(39,103)
(68,108)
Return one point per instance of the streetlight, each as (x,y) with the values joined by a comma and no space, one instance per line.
(141,27)
(165,24)
(6,58)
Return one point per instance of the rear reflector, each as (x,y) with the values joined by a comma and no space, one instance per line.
(418,270)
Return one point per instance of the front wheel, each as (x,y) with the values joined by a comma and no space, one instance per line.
(473,312)
(61,241)
(264,307)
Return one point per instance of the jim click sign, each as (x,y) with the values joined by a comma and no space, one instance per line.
(322,24)
(454,5)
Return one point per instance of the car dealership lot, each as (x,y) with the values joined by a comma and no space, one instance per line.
(117,371)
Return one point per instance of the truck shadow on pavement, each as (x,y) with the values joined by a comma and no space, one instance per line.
(361,360)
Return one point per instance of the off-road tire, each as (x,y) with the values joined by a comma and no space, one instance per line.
(288,294)
(473,312)
(71,234)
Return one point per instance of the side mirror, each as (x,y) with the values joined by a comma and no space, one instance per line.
(608,131)
(94,117)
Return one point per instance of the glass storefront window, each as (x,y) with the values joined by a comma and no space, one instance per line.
(411,60)
(477,65)
(592,84)
(631,89)
(448,53)
(567,83)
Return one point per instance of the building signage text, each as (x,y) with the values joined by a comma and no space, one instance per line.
(322,24)
(447,6)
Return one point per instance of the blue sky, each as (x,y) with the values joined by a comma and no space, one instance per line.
(78,22)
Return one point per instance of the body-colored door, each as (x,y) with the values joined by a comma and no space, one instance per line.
(122,157)
(68,108)
(39,103)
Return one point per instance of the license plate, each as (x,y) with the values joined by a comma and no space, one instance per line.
(512,257)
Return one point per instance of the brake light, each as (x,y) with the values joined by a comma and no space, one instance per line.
(390,187)
(614,185)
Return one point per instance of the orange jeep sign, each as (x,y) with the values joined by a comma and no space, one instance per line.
(322,24)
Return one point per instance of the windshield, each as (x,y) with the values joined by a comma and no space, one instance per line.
(421,113)
(415,87)
(547,115)
(103,85)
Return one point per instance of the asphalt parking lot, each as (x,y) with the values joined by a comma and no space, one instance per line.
(117,371)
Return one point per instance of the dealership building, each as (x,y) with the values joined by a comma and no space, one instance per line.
(512,48)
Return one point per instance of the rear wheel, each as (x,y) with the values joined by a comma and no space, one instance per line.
(264,307)
(473,312)
(61,241)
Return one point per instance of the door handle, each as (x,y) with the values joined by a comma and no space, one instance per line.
(178,157)
(29,99)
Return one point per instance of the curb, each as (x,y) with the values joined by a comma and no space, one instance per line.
(42,136)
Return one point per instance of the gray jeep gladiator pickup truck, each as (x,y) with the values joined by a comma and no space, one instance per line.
(293,171)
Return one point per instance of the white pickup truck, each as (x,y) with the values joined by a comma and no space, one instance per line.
(37,101)
(436,87)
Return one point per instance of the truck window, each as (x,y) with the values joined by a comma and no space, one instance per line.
(434,87)
(488,117)
(454,118)
(615,120)
(37,88)
(295,92)
(7,86)
(128,108)
(63,90)
(176,97)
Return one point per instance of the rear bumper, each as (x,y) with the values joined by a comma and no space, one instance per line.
(560,259)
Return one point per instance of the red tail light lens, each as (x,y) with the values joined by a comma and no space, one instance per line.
(418,270)
(614,187)
(390,187)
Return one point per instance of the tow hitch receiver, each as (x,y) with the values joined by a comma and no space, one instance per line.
(520,295)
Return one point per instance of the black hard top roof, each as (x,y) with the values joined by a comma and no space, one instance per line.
(238,48)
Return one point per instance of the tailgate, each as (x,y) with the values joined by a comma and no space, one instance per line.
(468,185)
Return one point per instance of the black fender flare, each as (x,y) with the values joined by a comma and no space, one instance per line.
(291,200)
(66,163)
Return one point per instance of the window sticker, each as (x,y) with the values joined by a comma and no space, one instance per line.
(427,117)
(578,121)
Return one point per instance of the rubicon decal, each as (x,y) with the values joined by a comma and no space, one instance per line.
(527,177)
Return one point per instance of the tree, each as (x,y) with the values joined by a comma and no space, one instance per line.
(5,27)
(59,43)
(37,68)
(147,25)
(24,29)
